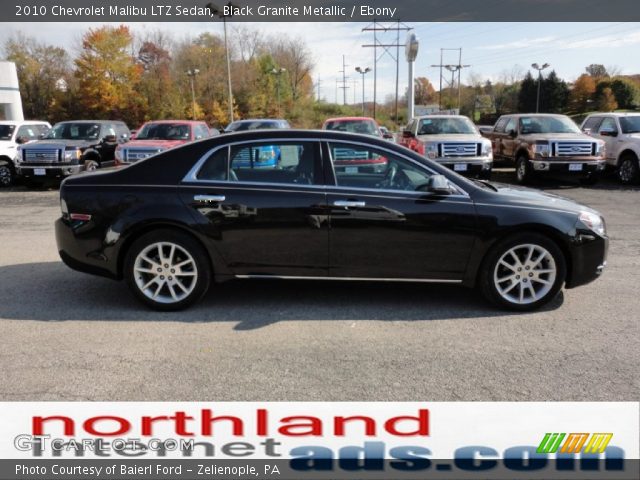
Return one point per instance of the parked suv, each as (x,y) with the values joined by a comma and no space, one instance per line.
(451,140)
(13,134)
(157,136)
(621,134)
(540,143)
(71,147)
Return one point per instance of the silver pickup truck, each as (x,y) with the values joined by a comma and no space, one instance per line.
(621,134)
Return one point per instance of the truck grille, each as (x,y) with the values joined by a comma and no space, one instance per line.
(453,150)
(41,155)
(573,149)
(350,154)
(135,154)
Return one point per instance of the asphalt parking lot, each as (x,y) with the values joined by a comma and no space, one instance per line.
(69,336)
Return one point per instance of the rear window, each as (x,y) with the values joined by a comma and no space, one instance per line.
(6,131)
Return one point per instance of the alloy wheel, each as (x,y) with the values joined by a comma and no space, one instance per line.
(525,274)
(627,171)
(165,272)
(5,176)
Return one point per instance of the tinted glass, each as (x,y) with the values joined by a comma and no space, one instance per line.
(608,124)
(254,125)
(6,131)
(547,125)
(216,166)
(592,123)
(29,132)
(75,131)
(511,125)
(366,167)
(366,127)
(437,126)
(286,162)
(502,122)
(630,124)
(164,131)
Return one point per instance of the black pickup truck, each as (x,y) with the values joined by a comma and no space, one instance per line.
(71,147)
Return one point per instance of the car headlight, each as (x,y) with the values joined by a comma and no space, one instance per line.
(431,150)
(541,149)
(72,155)
(600,149)
(593,222)
(486,149)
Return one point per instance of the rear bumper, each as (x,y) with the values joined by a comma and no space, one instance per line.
(588,260)
(48,171)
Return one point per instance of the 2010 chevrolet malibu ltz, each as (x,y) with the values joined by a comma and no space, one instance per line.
(209,211)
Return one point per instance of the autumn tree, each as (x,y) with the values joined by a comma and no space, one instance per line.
(582,93)
(108,76)
(606,101)
(424,91)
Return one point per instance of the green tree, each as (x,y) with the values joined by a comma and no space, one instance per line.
(606,101)
(625,92)
(597,70)
(556,94)
(528,94)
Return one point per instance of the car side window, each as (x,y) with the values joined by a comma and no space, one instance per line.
(368,167)
(608,124)
(511,125)
(267,162)
(28,131)
(216,167)
(201,132)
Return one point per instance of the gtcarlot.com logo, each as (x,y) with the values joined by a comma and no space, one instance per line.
(574,443)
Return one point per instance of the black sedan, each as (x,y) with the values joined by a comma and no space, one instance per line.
(211,211)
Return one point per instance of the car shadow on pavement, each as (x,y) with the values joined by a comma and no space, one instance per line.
(52,292)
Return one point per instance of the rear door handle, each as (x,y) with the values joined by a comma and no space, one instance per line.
(209,198)
(349,203)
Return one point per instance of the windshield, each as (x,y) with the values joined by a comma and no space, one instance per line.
(366,127)
(6,131)
(256,125)
(164,131)
(439,126)
(547,125)
(630,124)
(75,131)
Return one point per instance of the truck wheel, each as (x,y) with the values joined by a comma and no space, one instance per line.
(91,165)
(524,173)
(523,272)
(6,175)
(167,270)
(628,171)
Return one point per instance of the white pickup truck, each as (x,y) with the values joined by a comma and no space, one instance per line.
(12,134)
(621,133)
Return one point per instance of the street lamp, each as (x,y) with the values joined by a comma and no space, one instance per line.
(219,11)
(539,68)
(277,72)
(191,73)
(363,72)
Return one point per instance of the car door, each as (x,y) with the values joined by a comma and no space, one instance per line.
(498,135)
(382,226)
(263,218)
(509,141)
(608,131)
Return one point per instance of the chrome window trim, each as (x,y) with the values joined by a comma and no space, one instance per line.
(351,279)
(191,176)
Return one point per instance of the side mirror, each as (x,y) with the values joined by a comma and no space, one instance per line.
(608,133)
(21,140)
(110,139)
(407,134)
(438,185)
(512,133)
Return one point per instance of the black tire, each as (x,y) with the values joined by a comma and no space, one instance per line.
(165,284)
(490,271)
(628,170)
(524,170)
(7,174)
(91,165)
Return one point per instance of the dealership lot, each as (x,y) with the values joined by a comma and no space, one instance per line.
(69,336)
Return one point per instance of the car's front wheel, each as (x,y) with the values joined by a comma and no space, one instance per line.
(167,270)
(524,171)
(523,272)
(6,174)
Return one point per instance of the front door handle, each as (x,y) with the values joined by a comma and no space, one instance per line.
(349,203)
(209,198)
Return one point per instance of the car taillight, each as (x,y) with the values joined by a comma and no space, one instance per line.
(81,217)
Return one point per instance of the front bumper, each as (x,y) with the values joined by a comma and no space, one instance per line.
(575,166)
(588,258)
(48,171)
(464,165)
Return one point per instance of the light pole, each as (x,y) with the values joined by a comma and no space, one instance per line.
(220,13)
(277,72)
(191,73)
(539,68)
(363,72)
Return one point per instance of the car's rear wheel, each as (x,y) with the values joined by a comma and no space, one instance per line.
(167,270)
(6,174)
(629,170)
(523,272)
(524,172)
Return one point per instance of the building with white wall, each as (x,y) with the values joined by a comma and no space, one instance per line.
(10,100)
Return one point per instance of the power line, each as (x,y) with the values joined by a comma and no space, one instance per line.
(344,86)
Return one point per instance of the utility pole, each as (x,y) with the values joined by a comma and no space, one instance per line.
(191,73)
(376,27)
(277,72)
(319,82)
(219,12)
(539,68)
(452,68)
(363,72)
(344,81)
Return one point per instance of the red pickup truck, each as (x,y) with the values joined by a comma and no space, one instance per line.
(159,135)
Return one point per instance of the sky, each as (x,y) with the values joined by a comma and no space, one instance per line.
(492,50)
